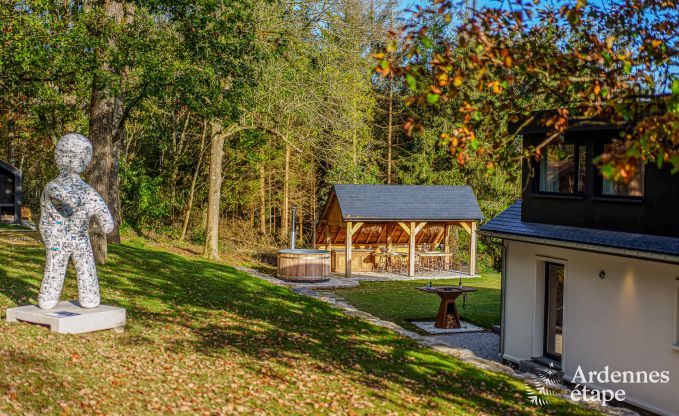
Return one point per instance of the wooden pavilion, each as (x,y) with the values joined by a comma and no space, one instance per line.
(374,216)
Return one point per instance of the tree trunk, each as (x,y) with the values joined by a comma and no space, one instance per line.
(177,153)
(390,127)
(312,203)
(272,225)
(106,112)
(214,193)
(114,192)
(99,171)
(192,190)
(262,198)
(11,144)
(300,236)
(286,194)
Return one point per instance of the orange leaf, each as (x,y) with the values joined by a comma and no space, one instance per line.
(460,158)
(508,61)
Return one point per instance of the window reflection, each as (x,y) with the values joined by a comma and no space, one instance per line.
(560,171)
(634,188)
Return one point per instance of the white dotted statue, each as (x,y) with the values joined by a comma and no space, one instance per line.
(67,205)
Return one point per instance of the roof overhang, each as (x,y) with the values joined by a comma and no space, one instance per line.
(11,169)
(359,219)
(594,248)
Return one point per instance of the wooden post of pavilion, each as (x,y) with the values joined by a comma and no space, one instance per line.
(446,235)
(411,250)
(348,244)
(412,229)
(351,229)
(472,248)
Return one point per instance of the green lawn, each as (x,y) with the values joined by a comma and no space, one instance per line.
(399,301)
(203,338)
(4,226)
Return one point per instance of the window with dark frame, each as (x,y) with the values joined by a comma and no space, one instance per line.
(563,169)
(634,188)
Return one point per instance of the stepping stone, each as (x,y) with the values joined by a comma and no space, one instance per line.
(69,318)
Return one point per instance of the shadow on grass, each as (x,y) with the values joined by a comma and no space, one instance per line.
(226,309)
(22,288)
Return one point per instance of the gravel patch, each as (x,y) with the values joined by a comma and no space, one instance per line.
(482,344)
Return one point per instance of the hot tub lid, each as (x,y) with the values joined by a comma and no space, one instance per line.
(302,251)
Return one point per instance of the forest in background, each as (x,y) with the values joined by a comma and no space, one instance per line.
(286,89)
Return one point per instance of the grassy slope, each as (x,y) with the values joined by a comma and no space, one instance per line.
(204,338)
(400,301)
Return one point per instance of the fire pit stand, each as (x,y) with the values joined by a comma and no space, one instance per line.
(448,316)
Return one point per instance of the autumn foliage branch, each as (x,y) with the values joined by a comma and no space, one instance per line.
(615,63)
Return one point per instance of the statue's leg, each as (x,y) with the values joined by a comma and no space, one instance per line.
(88,282)
(53,280)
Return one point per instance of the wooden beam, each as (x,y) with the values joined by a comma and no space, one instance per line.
(400,236)
(339,229)
(390,232)
(328,238)
(370,234)
(419,237)
(472,249)
(354,230)
(419,227)
(432,237)
(405,227)
(411,249)
(466,227)
(348,247)
(446,235)
(382,231)
(437,240)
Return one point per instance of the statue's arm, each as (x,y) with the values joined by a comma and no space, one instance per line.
(48,211)
(57,194)
(102,214)
(44,209)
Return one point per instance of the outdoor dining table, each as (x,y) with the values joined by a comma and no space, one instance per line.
(448,316)
(434,254)
(428,258)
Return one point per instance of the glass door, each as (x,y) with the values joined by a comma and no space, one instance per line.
(554,279)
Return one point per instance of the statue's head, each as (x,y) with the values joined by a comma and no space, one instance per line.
(73,153)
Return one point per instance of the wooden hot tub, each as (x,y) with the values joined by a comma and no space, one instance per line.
(300,265)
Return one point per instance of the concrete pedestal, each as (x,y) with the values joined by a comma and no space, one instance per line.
(70,318)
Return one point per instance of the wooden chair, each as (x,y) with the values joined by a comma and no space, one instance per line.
(397,263)
(420,264)
(26,214)
(380,264)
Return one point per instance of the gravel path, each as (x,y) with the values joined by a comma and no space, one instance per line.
(482,344)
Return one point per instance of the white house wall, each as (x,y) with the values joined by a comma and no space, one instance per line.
(626,321)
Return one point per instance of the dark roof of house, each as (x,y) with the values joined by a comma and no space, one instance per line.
(537,126)
(509,224)
(407,202)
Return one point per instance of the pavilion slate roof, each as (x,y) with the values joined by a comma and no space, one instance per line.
(407,202)
(508,224)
